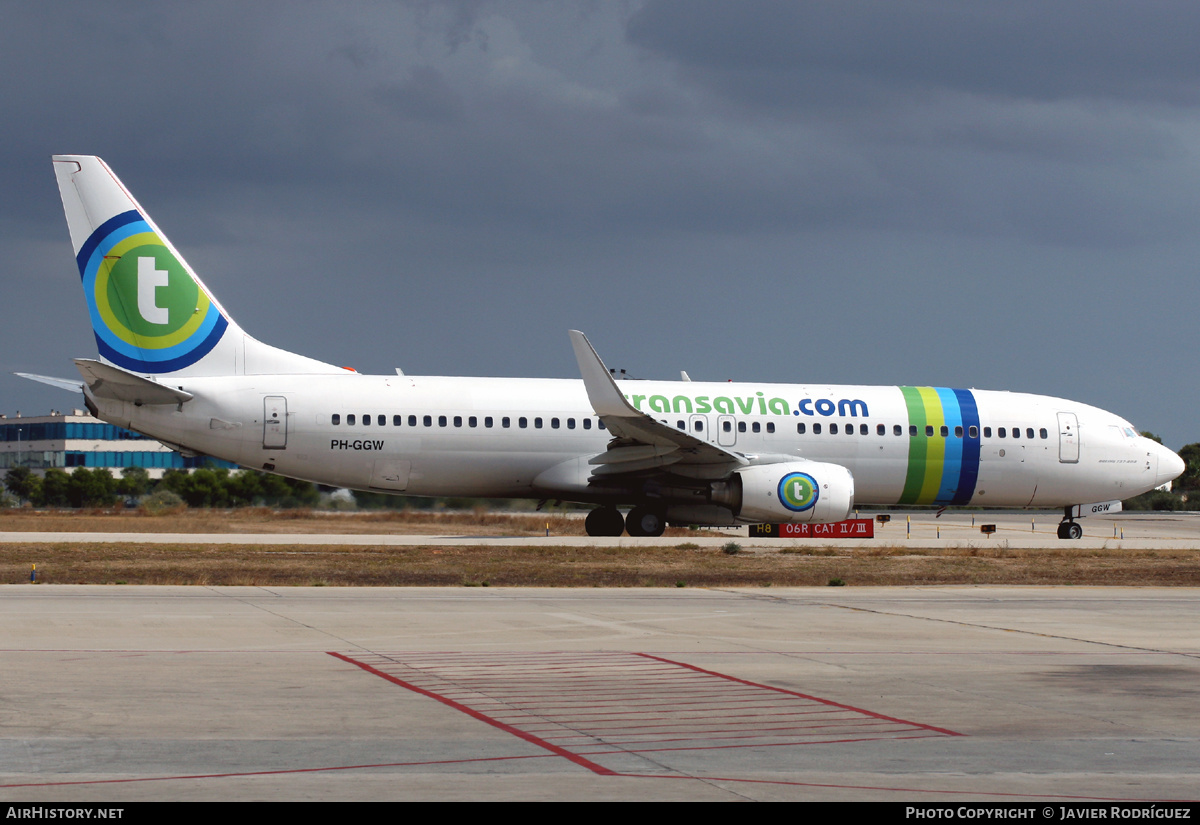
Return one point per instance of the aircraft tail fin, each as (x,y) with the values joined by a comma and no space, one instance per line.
(150,312)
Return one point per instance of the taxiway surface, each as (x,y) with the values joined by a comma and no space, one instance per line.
(949,693)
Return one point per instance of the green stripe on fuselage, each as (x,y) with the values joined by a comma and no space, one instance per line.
(935,450)
(916,446)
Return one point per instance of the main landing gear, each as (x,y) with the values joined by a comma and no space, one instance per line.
(641,521)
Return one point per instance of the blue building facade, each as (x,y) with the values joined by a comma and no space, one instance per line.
(79,440)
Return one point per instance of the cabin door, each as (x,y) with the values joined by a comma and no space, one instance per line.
(274,422)
(1068,438)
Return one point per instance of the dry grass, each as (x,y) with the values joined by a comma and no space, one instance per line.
(265,520)
(467,564)
(577,566)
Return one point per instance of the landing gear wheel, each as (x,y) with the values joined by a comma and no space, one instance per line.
(1070,530)
(642,521)
(604,521)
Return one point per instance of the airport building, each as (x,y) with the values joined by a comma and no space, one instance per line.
(76,439)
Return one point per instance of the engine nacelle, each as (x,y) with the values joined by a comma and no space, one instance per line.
(793,492)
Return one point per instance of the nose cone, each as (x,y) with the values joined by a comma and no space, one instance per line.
(1170,466)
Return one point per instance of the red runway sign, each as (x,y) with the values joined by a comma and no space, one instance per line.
(855,528)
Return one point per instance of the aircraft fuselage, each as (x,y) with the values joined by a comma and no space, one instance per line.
(497,437)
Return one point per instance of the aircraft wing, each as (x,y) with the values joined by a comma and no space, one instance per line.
(641,442)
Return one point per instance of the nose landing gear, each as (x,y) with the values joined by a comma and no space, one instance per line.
(1069,528)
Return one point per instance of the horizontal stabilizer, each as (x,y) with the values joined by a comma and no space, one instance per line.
(107,381)
(72,384)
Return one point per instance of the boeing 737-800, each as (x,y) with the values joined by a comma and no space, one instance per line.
(175,366)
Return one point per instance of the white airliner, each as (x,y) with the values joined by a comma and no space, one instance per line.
(175,366)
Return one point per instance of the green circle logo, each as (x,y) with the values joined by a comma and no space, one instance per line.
(798,491)
(149,293)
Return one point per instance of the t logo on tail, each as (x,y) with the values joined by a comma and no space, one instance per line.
(148,280)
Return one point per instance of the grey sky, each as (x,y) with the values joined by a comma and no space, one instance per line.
(997,195)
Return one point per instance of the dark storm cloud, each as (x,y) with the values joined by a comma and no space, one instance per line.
(780,53)
(780,191)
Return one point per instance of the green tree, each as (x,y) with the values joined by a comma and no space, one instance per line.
(91,488)
(205,487)
(55,484)
(135,482)
(23,483)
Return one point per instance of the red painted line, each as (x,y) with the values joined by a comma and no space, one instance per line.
(578,760)
(803,696)
(789,744)
(282,771)
(711,735)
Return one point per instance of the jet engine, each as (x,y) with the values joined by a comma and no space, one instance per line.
(792,492)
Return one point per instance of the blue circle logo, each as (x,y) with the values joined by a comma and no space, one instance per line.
(798,491)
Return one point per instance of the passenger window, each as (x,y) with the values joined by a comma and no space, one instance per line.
(817,428)
(987,432)
(412,421)
(506,422)
(880,429)
(600,425)
(958,432)
(472,422)
(756,427)
(1002,433)
(770,426)
(487,421)
(570,423)
(1042,432)
(1029,432)
(442,421)
(897,429)
(587,423)
(381,420)
(428,421)
(680,424)
(741,426)
(945,431)
(929,431)
(537,422)
(1016,432)
(367,420)
(912,430)
(833,429)
(350,420)
(522,422)
(336,419)
(800,428)
(397,420)
(458,421)
(862,430)
(554,423)
(698,426)
(973,431)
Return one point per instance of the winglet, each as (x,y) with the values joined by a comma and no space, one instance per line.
(602,390)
